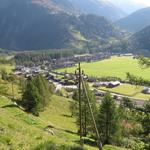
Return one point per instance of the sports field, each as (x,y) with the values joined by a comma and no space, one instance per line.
(114,67)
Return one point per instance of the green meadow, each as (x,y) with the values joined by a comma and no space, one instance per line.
(114,67)
(23,131)
(128,90)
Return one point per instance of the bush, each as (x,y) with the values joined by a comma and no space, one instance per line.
(138,145)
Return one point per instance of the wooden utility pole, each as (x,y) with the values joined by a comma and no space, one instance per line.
(80,107)
(79,75)
(81,83)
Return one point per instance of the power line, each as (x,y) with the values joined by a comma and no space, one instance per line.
(80,107)
(81,83)
(99,143)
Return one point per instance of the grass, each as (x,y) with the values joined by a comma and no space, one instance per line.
(10,88)
(23,131)
(7,67)
(128,90)
(114,67)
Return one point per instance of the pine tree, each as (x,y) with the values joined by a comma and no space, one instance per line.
(43,89)
(36,94)
(108,119)
(31,97)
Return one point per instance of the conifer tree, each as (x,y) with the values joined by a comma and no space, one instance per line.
(108,119)
(31,97)
(43,89)
(36,95)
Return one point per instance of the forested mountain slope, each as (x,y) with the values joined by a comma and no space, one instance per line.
(45,24)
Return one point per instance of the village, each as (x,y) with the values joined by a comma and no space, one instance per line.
(69,82)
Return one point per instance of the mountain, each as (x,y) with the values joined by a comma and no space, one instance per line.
(136,21)
(140,41)
(51,24)
(99,7)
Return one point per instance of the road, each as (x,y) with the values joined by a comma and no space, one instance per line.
(139,102)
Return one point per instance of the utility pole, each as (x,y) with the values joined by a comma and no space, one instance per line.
(99,143)
(81,83)
(78,75)
(80,103)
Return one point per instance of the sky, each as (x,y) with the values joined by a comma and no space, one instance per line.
(130,6)
(145,2)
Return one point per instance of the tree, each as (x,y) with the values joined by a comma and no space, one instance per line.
(36,95)
(145,62)
(43,89)
(4,74)
(137,80)
(108,119)
(31,97)
(127,103)
(146,125)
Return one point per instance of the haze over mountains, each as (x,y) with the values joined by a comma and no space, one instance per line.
(71,24)
(136,21)
(99,7)
(141,41)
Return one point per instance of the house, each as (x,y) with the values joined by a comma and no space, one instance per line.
(17,73)
(146,90)
(113,84)
(97,84)
(98,93)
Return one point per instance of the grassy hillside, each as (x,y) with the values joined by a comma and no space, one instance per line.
(114,67)
(22,131)
(6,67)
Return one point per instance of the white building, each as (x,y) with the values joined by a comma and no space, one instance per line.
(146,90)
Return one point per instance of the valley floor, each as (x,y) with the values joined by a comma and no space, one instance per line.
(113,67)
